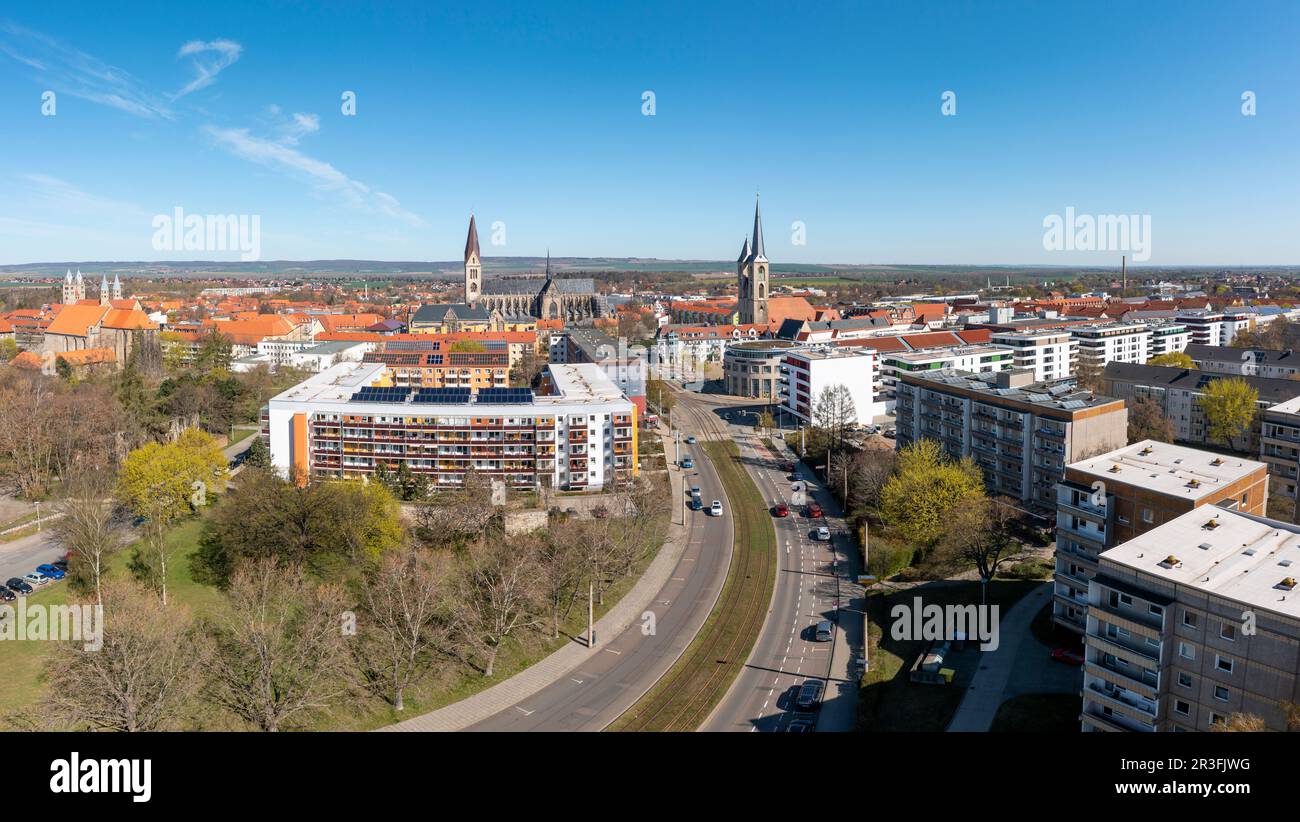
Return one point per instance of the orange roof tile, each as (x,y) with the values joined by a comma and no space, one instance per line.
(77,320)
(88,356)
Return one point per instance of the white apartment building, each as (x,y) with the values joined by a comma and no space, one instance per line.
(806,373)
(345,421)
(1112,342)
(281,351)
(1215,327)
(971,358)
(1049,354)
(1169,338)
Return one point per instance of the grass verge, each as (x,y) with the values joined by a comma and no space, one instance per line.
(888,700)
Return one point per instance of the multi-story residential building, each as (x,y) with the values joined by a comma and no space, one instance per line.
(753,368)
(1048,353)
(686,349)
(1210,327)
(1111,342)
(1022,433)
(626,366)
(440,365)
(1169,338)
(1178,391)
(1246,362)
(345,421)
(1108,499)
(1192,622)
(970,358)
(1279,445)
(805,374)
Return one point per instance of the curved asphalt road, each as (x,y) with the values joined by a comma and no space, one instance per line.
(806,592)
(599,691)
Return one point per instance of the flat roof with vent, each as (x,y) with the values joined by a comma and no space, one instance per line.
(1247,559)
(1176,470)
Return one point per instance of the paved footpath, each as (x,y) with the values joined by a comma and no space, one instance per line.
(988,687)
(474,709)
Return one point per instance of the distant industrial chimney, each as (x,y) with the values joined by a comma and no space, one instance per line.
(1123,270)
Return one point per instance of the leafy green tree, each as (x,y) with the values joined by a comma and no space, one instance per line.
(1229,406)
(214,354)
(8,349)
(924,490)
(1174,359)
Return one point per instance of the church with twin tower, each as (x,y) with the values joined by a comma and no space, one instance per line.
(752,276)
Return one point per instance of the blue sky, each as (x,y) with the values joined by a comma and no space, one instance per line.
(532,116)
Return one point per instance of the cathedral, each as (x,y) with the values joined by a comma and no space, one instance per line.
(751,276)
(568,299)
(74,289)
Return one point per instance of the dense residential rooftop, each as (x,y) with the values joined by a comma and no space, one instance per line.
(1174,470)
(1012,385)
(1245,558)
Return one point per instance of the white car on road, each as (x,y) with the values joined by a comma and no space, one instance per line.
(715,509)
(823,533)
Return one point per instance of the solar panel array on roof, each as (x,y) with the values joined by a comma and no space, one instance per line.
(442,396)
(1073,404)
(382,394)
(413,345)
(504,396)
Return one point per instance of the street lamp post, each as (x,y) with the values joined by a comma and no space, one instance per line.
(38,516)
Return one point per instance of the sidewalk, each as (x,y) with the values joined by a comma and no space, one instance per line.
(989,686)
(471,710)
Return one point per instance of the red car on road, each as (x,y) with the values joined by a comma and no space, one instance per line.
(780,510)
(1067,655)
(814,510)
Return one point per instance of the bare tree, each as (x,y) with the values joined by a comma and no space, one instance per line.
(561,562)
(978,532)
(456,515)
(86,527)
(497,596)
(141,679)
(279,646)
(405,624)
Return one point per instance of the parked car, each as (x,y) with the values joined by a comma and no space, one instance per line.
(36,579)
(6,595)
(780,510)
(788,467)
(823,533)
(810,694)
(1067,655)
(891,432)
(799,726)
(824,631)
(690,440)
(715,509)
(687,462)
(814,511)
(18,586)
(52,571)
(60,563)
(695,490)
(695,504)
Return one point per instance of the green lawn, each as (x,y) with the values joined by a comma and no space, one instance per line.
(241,434)
(888,700)
(1038,713)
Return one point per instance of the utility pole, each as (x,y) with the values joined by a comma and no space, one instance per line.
(591,613)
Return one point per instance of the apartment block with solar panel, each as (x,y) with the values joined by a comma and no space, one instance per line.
(577,431)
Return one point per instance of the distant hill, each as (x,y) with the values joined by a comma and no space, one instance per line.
(451,269)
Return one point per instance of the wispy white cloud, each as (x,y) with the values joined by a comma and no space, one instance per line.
(209,59)
(68,70)
(283,156)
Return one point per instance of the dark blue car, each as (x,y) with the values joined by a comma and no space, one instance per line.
(18,586)
(52,571)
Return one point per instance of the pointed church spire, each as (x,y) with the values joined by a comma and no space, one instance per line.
(758,232)
(471,242)
(744,252)
(548,265)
